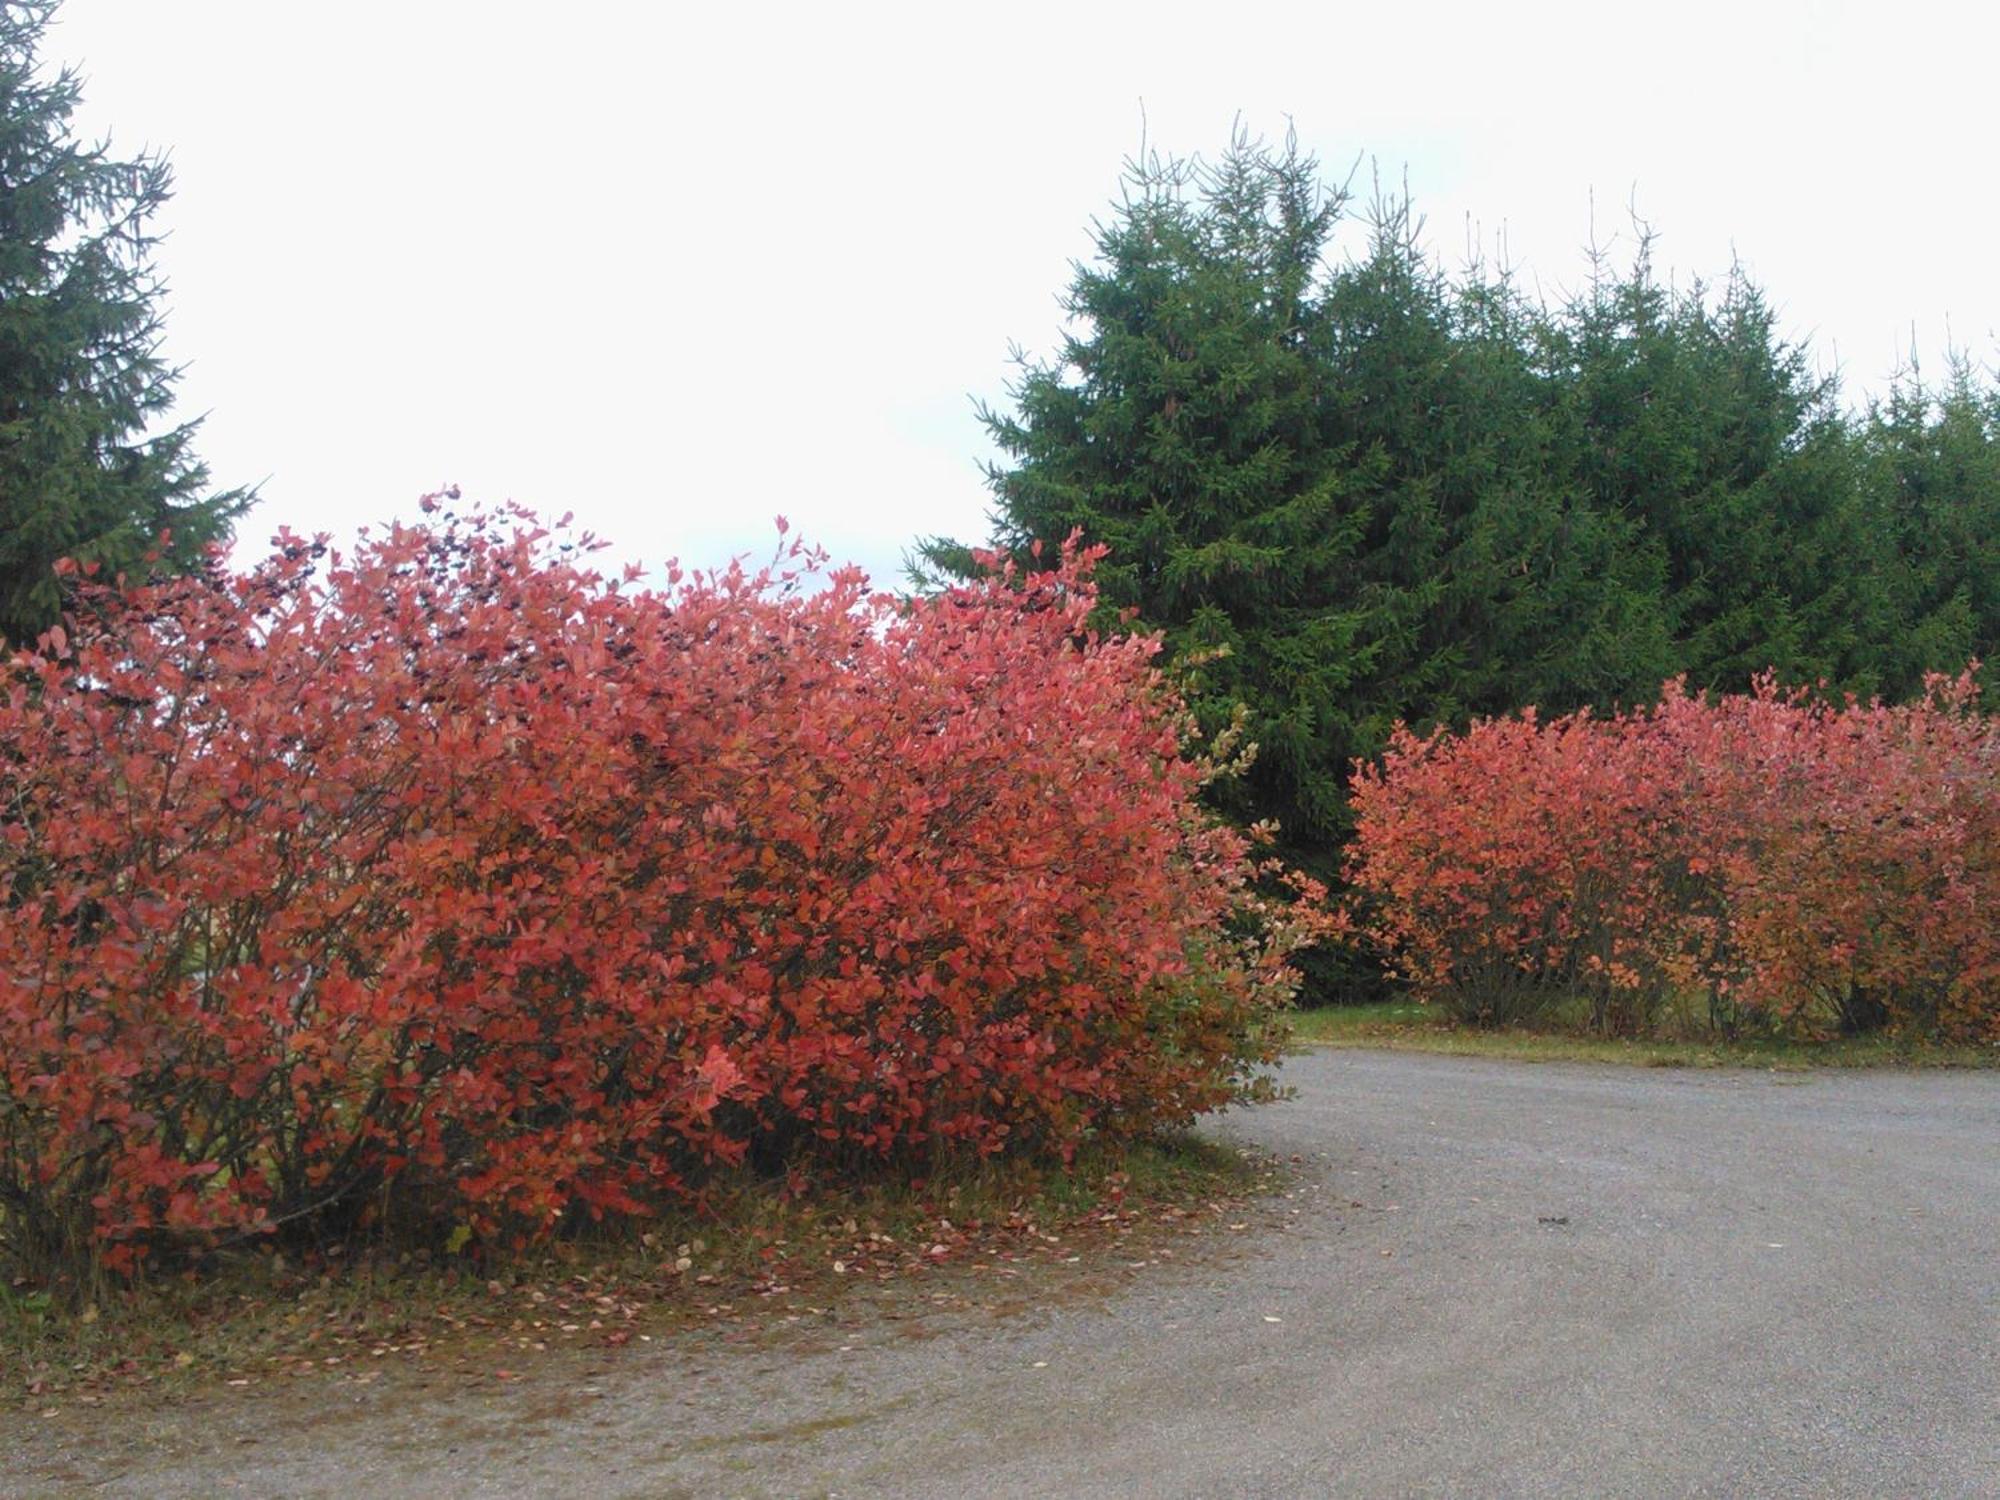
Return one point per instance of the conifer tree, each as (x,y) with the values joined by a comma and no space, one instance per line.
(1329,486)
(1930,470)
(1185,424)
(88,468)
(1690,415)
(1520,592)
(1365,491)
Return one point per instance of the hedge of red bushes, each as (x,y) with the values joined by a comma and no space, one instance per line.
(447,879)
(1767,859)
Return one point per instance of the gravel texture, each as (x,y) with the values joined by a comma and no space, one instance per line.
(1486,1279)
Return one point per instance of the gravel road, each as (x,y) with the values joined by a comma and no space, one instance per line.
(1489,1279)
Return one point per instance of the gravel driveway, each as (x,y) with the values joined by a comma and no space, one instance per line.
(1490,1279)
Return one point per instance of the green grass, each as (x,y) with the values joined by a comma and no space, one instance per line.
(1408,1027)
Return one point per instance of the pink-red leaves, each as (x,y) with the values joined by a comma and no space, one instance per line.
(1765,855)
(446,873)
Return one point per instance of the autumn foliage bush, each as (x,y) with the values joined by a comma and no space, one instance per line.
(446,880)
(1767,859)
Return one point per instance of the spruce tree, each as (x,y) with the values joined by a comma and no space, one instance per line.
(88,468)
(1185,424)
(1329,485)
(1356,491)
(1930,473)
(1687,413)
(1519,590)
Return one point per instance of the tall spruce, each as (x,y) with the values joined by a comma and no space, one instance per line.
(1508,586)
(1186,423)
(1330,486)
(1930,466)
(88,468)
(1358,489)
(1685,412)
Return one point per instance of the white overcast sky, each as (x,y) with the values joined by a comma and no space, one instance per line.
(679,269)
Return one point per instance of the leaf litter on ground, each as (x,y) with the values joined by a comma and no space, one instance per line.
(762,1268)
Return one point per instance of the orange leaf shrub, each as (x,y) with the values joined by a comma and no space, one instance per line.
(447,878)
(1775,858)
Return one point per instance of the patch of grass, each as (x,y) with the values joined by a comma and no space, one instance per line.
(1409,1027)
(762,1252)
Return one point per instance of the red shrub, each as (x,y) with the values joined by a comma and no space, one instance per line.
(1767,855)
(446,878)
(1514,864)
(1856,847)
